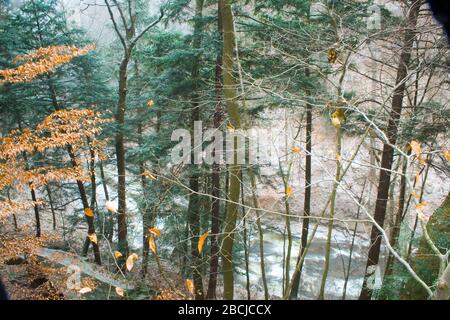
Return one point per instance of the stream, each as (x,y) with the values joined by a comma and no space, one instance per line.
(313,265)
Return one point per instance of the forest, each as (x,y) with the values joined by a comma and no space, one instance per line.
(224,150)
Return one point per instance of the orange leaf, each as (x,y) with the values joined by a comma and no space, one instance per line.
(149,175)
(201,241)
(152,243)
(190,286)
(92,237)
(420,206)
(88,212)
(155,231)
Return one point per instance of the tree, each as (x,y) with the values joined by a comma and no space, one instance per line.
(229,89)
(388,147)
(128,37)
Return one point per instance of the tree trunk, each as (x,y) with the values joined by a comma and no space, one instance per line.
(89,219)
(388,151)
(108,230)
(215,176)
(234,169)
(332,212)
(36,211)
(194,198)
(307,202)
(121,170)
(52,207)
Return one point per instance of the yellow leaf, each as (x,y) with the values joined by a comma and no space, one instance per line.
(417,177)
(289,191)
(338,118)
(85,290)
(130,261)
(120,291)
(155,231)
(415,195)
(111,207)
(295,149)
(190,286)
(420,206)
(88,212)
(152,243)
(92,237)
(117,254)
(415,146)
(201,242)
(332,55)
(447,154)
(230,127)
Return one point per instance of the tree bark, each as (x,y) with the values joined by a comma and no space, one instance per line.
(234,169)
(215,175)
(194,198)
(307,201)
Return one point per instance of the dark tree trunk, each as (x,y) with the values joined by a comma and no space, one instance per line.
(194,200)
(215,177)
(307,203)
(120,154)
(52,207)
(36,211)
(388,151)
(108,230)
(89,219)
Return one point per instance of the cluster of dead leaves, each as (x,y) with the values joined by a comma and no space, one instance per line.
(41,61)
(58,130)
